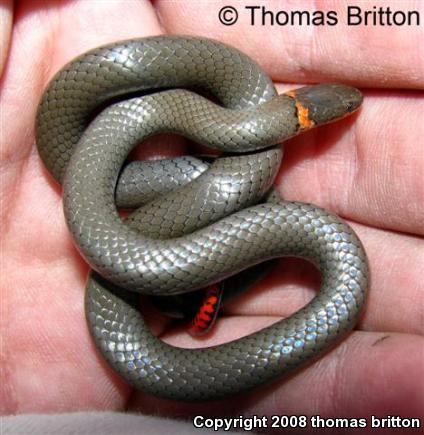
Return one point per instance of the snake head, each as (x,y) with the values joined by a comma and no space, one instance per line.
(324,103)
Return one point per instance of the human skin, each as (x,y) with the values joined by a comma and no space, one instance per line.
(367,168)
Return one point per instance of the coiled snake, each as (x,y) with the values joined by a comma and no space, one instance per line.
(206,230)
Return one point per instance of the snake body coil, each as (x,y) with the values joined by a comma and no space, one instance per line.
(165,247)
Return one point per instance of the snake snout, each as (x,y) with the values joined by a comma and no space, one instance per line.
(328,102)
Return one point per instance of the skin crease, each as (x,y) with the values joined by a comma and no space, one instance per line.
(366,168)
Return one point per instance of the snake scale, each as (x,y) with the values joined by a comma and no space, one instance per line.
(102,104)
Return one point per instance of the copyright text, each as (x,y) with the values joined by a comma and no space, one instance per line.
(354,16)
(302,421)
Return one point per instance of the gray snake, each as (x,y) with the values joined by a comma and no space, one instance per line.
(206,230)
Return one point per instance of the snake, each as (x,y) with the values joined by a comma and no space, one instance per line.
(213,221)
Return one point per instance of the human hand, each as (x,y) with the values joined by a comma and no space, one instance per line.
(367,169)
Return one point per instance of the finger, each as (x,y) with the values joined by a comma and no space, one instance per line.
(396,291)
(6,17)
(366,168)
(349,381)
(83,27)
(312,53)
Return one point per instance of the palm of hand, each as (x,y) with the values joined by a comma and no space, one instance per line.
(368,169)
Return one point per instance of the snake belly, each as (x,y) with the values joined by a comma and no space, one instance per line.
(210,228)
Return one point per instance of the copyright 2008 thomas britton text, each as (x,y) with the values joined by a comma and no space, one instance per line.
(302,421)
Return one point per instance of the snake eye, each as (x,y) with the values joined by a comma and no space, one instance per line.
(351,106)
